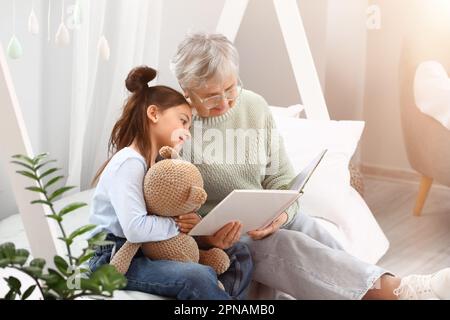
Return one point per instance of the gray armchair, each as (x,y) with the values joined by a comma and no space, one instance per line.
(427,141)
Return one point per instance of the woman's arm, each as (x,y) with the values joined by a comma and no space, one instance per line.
(127,198)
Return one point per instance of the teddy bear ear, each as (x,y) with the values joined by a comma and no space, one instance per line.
(169,153)
(197,196)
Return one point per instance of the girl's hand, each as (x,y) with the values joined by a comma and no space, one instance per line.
(227,236)
(187,221)
(267,231)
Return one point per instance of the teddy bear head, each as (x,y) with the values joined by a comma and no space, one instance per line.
(173,186)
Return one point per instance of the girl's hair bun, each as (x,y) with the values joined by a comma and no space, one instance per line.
(139,77)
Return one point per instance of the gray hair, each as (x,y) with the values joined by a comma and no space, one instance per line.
(201,57)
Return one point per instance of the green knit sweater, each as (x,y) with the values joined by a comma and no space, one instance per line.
(240,149)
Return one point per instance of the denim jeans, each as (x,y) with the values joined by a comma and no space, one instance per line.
(306,262)
(182,280)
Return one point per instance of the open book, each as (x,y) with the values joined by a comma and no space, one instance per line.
(255,209)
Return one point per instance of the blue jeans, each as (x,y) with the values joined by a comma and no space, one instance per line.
(182,280)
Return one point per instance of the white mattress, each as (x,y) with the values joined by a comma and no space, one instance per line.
(12,230)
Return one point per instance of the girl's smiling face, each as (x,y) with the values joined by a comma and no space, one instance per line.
(170,127)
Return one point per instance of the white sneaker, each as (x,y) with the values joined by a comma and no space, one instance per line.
(434,286)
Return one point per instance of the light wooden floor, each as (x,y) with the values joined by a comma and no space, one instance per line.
(418,244)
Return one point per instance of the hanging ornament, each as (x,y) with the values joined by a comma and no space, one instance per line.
(33,24)
(103,48)
(62,37)
(49,20)
(14,50)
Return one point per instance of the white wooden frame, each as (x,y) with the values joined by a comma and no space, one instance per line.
(14,137)
(299,52)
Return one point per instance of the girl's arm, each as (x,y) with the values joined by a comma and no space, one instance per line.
(127,198)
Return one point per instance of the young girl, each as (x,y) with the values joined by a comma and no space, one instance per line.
(154,117)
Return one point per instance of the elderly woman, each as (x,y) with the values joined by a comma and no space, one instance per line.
(293,254)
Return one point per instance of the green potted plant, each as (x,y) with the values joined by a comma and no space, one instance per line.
(69,279)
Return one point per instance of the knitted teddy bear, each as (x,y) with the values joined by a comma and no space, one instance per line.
(172,187)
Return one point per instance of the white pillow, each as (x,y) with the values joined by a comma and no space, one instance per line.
(291,111)
(432,91)
(328,194)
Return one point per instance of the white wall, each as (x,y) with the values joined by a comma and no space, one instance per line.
(383,141)
(179,18)
(27,72)
(264,60)
(346,58)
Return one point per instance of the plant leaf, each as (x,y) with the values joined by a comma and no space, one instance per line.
(28,174)
(49,171)
(4,263)
(52,181)
(57,283)
(23,157)
(7,251)
(66,240)
(42,201)
(28,292)
(36,189)
(24,165)
(54,217)
(85,257)
(108,277)
(90,285)
(44,164)
(71,207)
(14,283)
(59,192)
(35,272)
(84,270)
(11,295)
(21,257)
(38,263)
(81,230)
(61,265)
(98,240)
(40,157)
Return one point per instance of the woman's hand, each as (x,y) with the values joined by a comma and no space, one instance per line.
(267,231)
(187,221)
(227,236)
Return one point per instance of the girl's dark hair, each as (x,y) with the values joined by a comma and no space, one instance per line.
(133,124)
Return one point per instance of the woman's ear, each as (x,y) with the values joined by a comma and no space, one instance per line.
(153,113)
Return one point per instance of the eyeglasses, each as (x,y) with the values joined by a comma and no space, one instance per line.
(230,95)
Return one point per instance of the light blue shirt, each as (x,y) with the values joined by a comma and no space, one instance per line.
(118,204)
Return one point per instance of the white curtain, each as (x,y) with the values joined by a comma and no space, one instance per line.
(132,28)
